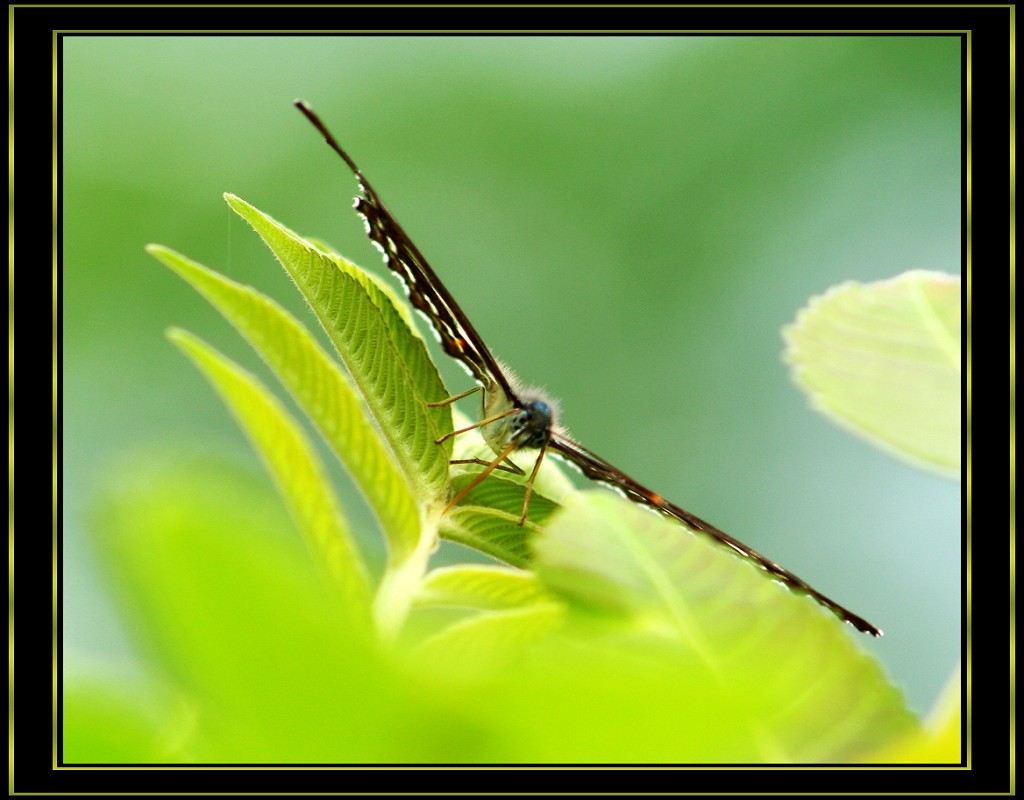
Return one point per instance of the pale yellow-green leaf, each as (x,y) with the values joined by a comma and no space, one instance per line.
(229,614)
(884,360)
(790,676)
(487,639)
(120,719)
(481,586)
(940,741)
(319,386)
(296,469)
(388,363)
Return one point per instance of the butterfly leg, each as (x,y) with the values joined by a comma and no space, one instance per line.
(508,466)
(493,465)
(496,464)
(479,424)
(450,400)
(529,483)
(511,467)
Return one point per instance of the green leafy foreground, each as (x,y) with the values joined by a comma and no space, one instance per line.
(600,633)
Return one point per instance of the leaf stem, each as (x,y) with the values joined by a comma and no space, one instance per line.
(402,580)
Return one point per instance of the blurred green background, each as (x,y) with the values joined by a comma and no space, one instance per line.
(629,221)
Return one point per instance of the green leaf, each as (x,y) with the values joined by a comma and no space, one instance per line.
(482,587)
(388,363)
(399,303)
(450,628)
(783,672)
(121,720)
(487,519)
(883,361)
(320,388)
(487,640)
(940,741)
(231,615)
(295,467)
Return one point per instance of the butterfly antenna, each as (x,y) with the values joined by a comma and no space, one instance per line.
(328,137)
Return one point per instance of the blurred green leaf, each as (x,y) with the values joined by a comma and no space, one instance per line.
(448,603)
(295,466)
(883,361)
(388,363)
(797,688)
(940,740)
(487,640)
(481,586)
(317,383)
(230,612)
(120,720)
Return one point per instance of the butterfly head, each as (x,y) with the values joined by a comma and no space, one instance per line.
(530,425)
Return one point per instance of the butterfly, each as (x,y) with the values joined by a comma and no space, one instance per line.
(512,417)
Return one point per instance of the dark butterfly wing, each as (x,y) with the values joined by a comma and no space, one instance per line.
(426,292)
(596,468)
